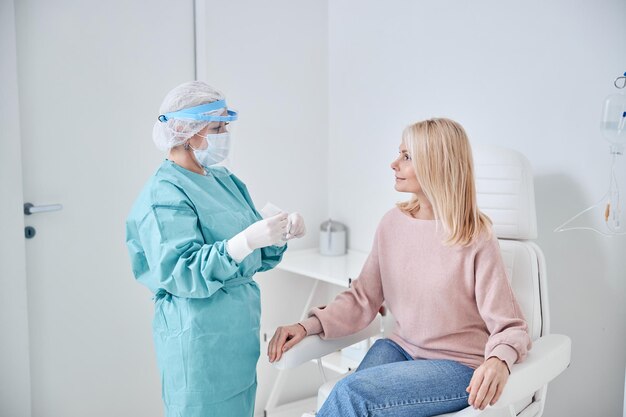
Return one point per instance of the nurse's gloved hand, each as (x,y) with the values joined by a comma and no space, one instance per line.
(266,232)
(296,227)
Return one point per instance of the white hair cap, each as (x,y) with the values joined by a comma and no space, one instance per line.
(175,132)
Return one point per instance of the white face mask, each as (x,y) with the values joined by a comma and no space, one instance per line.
(218,148)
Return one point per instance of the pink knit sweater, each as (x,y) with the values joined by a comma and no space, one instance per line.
(449,302)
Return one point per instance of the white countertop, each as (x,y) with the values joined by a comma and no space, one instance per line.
(333,269)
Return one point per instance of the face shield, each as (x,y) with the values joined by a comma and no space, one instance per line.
(210,112)
(210,122)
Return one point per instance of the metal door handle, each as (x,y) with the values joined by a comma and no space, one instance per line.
(31,209)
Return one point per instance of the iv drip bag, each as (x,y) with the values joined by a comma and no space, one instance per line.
(613,123)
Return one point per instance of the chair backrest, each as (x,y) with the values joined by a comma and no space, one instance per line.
(505,192)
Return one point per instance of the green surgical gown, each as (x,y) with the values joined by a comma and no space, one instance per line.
(207,307)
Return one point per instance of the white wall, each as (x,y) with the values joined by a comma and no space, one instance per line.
(531,76)
(271,61)
(15,375)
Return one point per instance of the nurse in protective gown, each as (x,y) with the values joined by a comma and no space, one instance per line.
(196,240)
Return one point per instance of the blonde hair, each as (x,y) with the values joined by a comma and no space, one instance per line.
(442,159)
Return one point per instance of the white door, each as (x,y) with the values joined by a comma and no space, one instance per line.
(91,78)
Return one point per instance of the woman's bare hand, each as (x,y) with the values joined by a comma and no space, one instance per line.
(284,339)
(487,383)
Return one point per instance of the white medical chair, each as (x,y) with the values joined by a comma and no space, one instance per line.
(504,185)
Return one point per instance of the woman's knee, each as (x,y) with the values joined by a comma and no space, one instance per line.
(345,397)
(383,345)
(353,387)
(343,386)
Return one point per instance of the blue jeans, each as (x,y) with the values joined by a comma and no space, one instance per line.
(389,383)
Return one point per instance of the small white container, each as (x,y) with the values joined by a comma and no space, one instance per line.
(332,238)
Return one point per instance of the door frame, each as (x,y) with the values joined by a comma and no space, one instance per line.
(15,395)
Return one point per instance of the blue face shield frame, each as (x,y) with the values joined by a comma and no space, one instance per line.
(198,113)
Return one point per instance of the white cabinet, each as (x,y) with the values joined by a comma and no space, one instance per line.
(332,274)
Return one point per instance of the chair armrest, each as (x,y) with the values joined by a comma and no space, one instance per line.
(313,347)
(549,356)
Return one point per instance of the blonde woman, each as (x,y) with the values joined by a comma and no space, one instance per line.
(438,268)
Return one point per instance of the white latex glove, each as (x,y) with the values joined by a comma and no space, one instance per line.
(295,226)
(270,210)
(266,232)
